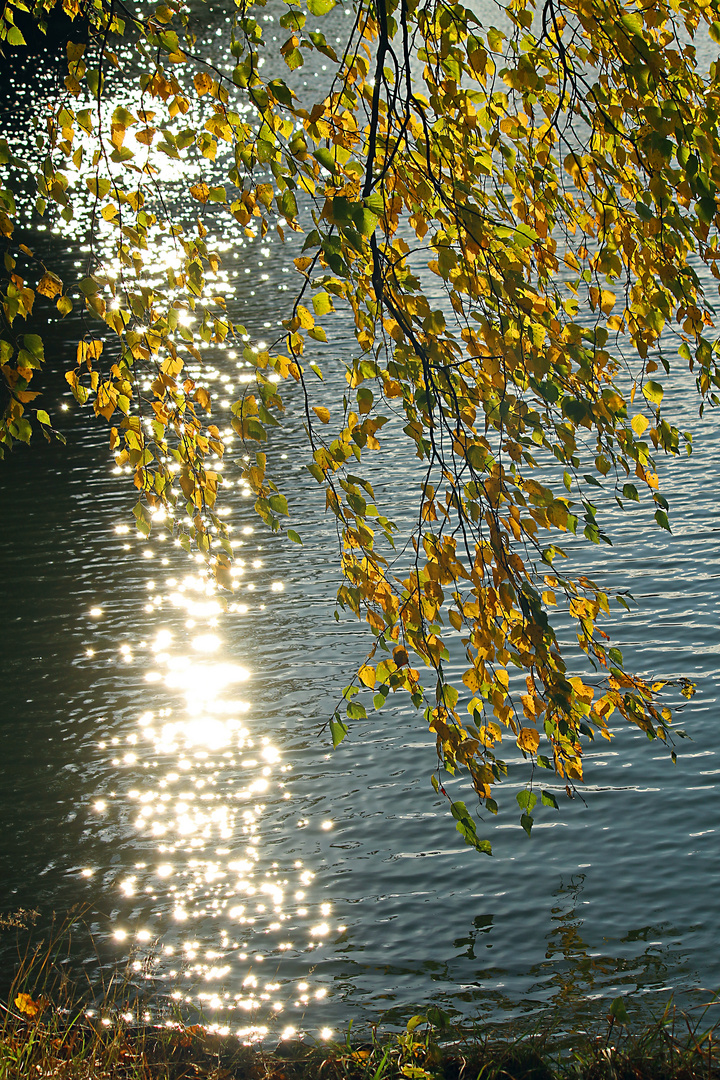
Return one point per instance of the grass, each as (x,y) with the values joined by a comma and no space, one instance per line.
(45,1032)
(53,1045)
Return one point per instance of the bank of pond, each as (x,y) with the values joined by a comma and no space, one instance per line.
(52,1043)
(54,1023)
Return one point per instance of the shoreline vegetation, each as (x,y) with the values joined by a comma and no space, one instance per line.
(50,1028)
(54,1043)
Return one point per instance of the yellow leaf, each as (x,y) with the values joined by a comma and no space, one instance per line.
(203,83)
(322,303)
(607,301)
(322,413)
(200,192)
(306,320)
(146,136)
(574,769)
(366,675)
(26,1005)
(50,285)
(471,680)
(203,398)
(639,424)
(528,740)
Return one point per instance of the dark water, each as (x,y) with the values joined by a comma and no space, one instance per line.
(164,762)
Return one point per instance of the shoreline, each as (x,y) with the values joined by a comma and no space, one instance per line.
(37,1039)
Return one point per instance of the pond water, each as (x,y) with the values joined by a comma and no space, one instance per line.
(165,766)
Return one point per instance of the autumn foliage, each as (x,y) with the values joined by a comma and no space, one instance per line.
(555,178)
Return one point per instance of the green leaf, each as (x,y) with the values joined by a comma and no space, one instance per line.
(438,1017)
(294,59)
(365,220)
(478,457)
(449,696)
(653,392)
(495,39)
(295,537)
(356,711)
(123,117)
(618,1011)
(320,7)
(287,204)
(338,730)
(281,91)
(88,286)
(43,417)
(662,520)
(633,23)
(21,429)
(548,799)
(99,186)
(326,158)
(293,20)
(466,827)
(34,345)
(707,208)
(169,40)
(526,799)
(256,431)
(279,504)
(527,823)
(14,36)
(142,519)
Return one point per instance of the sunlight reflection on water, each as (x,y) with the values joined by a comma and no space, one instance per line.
(231,851)
(205,818)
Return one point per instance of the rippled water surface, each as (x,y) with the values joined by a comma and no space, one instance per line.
(164,762)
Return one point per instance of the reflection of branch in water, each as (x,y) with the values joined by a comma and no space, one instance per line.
(573,985)
(483,925)
(580,973)
(574,976)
